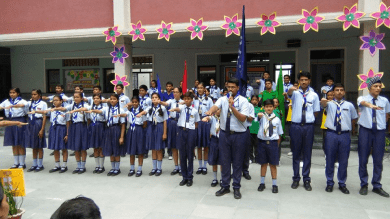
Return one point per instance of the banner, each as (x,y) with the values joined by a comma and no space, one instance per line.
(86,78)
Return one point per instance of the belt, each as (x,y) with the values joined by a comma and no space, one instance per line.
(38,119)
(339,133)
(114,125)
(185,129)
(212,136)
(268,141)
(233,132)
(176,119)
(302,124)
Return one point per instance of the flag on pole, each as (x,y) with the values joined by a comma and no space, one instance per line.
(159,86)
(241,70)
(280,90)
(184,85)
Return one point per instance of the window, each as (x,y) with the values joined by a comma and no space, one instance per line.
(142,70)
(287,69)
(53,78)
(109,75)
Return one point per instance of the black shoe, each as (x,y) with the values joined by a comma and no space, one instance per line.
(329,188)
(261,187)
(72,154)
(82,170)
(158,172)
(55,169)
(152,172)
(344,190)
(52,153)
(63,169)
(237,194)
(116,172)
(32,169)
(76,171)
(139,173)
(222,192)
(39,169)
(363,190)
(92,155)
(199,171)
(189,183)
(96,170)
(307,186)
(204,171)
(174,172)
(275,189)
(180,174)
(295,185)
(24,166)
(110,172)
(214,183)
(183,182)
(247,176)
(131,173)
(381,192)
(101,170)
(16,166)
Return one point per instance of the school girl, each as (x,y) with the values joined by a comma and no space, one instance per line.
(153,88)
(203,104)
(97,128)
(34,136)
(58,133)
(14,135)
(188,123)
(114,135)
(173,129)
(78,132)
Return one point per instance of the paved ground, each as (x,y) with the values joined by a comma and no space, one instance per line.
(122,197)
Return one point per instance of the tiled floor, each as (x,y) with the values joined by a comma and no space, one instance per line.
(162,197)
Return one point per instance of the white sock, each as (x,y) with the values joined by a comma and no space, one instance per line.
(215,175)
(205,164)
(200,163)
(64,164)
(57,164)
(22,159)
(16,159)
(97,163)
(101,162)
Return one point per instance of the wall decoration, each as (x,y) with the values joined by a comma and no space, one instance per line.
(350,17)
(197,28)
(111,34)
(310,20)
(165,31)
(137,32)
(367,77)
(87,78)
(268,23)
(119,54)
(231,25)
(372,42)
(120,80)
(382,16)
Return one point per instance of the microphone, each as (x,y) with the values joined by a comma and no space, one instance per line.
(230,95)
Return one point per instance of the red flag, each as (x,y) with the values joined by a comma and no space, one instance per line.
(184,85)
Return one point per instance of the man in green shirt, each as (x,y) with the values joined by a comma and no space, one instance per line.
(268,93)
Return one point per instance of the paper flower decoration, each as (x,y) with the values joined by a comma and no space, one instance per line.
(382,16)
(165,31)
(268,23)
(111,34)
(197,28)
(310,20)
(119,54)
(137,32)
(231,25)
(120,80)
(350,17)
(373,42)
(367,77)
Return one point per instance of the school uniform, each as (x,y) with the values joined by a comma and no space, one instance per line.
(97,126)
(213,157)
(90,101)
(195,91)
(338,139)
(31,138)
(166,96)
(270,129)
(202,105)
(232,140)
(187,136)
(249,91)
(152,90)
(57,130)
(304,105)
(78,132)
(326,88)
(146,103)
(215,92)
(157,127)
(372,131)
(113,132)
(262,86)
(63,96)
(245,167)
(14,135)
(123,100)
(135,133)
(173,128)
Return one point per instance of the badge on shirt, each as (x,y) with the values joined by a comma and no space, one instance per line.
(192,116)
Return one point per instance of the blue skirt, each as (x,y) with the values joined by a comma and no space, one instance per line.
(96,134)
(78,137)
(203,139)
(31,138)
(156,133)
(214,152)
(14,135)
(173,132)
(147,138)
(57,134)
(135,141)
(111,144)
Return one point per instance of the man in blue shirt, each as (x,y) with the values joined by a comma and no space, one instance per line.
(305,105)
(340,120)
(372,130)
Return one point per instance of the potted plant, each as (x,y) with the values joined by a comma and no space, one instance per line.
(15,212)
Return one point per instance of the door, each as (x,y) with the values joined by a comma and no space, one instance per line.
(322,71)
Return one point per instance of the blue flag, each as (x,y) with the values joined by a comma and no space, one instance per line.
(159,87)
(241,72)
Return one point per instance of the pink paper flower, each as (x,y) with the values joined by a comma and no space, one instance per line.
(197,28)
(165,31)
(373,42)
(120,80)
(119,54)
(310,20)
(382,16)
(350,17)
(137,32)
(231,25)
(268,23)
(111,34)
(367,77)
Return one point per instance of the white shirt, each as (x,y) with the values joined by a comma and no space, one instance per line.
(35,105)
(14,112)
(215,126)
(313,105)
(241,104)
(111,112)
(286,87)
(77,116)
(95,117)
(193,117)
(365,119)
(202,105)
(215,92)
(58,117)
(63,96)
(172,103)
(155,115)
(277,129)
(152,90)
(70,99)
(348,112)
(249,91)
(132,117)
(251,114)
(123,100)
(90,101)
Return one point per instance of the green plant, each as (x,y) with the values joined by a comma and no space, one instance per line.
(13,206)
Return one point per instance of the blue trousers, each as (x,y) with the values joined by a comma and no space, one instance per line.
(301,143)
(187,139)
(337,146)
(232,149)
(245,167)
(368,140)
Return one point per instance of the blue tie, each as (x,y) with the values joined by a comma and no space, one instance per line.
(270,128)
(228,122)
(374,128)
(187,116)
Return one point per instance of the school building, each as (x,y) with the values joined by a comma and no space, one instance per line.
(49,42)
